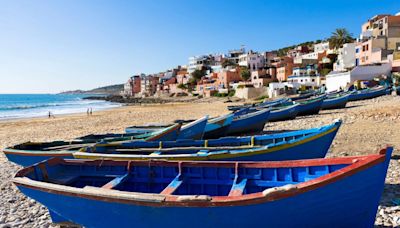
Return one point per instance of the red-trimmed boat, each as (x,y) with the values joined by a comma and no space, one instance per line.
(339,192)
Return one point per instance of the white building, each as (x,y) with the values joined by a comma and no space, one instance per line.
(346,57)
(311,55)
(233,55)
(321,47)
(277,88)
(306,80)
(299,71)
(197,62)
(341,80)
(251,60)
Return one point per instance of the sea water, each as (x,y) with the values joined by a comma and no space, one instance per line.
(36,105)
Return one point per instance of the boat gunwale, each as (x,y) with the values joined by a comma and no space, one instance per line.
(289,107)
(329,99)
(251,114)
(355,164)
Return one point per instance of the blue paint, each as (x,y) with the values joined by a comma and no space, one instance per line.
(192,130)
(310,107)
(218,127)
(367,94)
(335,102)
(351,201)
(284,113)
(25,161)
(249,122)
(264,104)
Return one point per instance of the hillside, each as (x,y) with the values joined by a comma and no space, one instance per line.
(108,90)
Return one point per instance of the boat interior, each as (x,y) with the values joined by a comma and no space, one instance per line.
(179,178)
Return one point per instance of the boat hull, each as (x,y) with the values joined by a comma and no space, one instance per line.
(251,122)
(311,108)
(367,95)
(29,159)
(217,133)
(218,127)
(350,201)
(289,113)
(335,103)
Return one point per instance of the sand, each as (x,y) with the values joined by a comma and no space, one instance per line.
(367,126)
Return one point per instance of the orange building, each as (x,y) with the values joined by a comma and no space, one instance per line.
(284,69)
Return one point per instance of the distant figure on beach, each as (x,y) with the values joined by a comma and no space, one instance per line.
(91,111)
(51,115)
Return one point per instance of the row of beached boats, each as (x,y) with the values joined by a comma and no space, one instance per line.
(191,173)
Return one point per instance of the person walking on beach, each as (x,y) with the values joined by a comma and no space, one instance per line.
(87,112)
(91,111)
(49,114)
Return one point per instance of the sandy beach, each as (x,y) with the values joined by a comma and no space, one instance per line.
(367,126)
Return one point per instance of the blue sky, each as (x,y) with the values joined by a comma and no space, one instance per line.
(51,46)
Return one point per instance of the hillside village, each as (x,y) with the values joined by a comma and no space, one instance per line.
(332,64)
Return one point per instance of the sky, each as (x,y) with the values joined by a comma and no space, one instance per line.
(49,46)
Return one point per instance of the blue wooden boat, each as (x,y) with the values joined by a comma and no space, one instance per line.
(302,96)
(368,93)
(339,192)
(263,104)
(190,130)
(301,144)
(284,113)
(335,102)
(278,113)
(309,106)
(29,153)
(218,127)
(249,122)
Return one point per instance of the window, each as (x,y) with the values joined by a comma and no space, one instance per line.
(357,50)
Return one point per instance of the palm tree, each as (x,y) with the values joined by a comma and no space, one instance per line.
(339,37)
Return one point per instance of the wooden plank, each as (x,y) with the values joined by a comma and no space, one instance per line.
(172,186)
(116,181)
(238,187)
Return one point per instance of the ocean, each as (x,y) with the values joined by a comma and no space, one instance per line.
(13,106)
